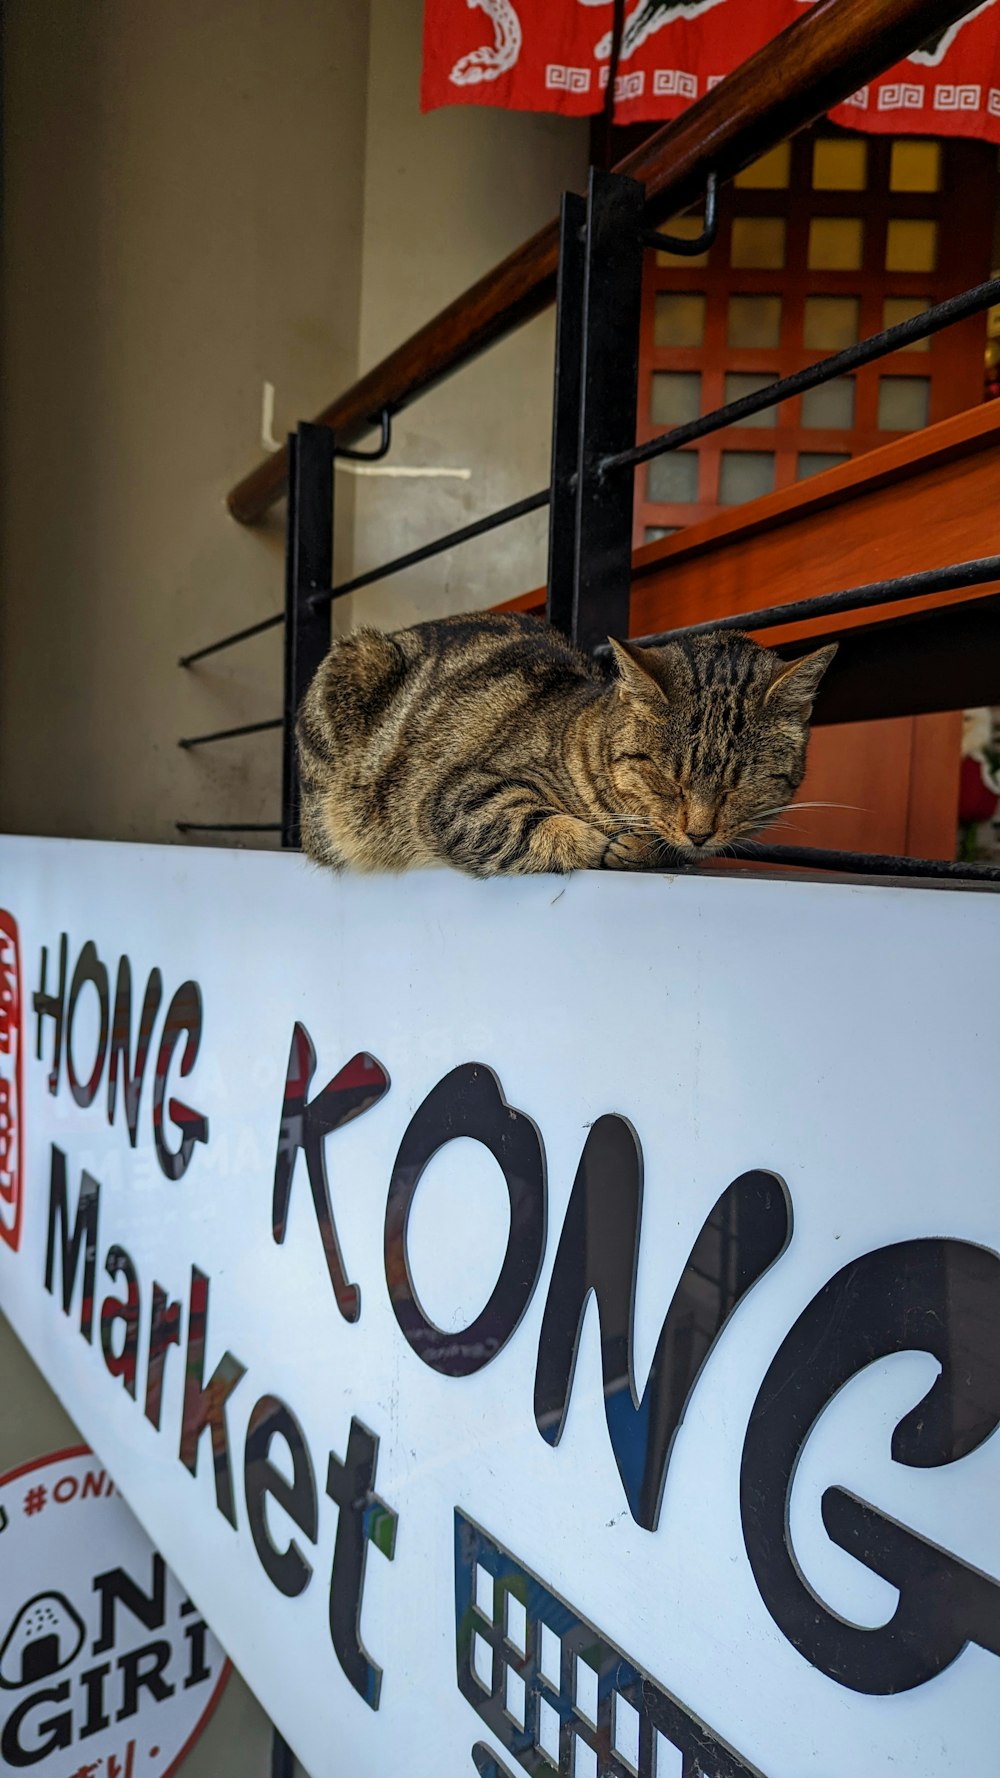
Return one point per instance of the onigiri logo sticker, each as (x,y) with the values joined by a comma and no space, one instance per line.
(107,1669)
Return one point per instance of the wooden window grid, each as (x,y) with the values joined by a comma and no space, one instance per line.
(962,208)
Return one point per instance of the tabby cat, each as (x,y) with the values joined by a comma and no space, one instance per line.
(488,743)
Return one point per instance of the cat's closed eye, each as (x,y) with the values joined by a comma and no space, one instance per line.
(619,758)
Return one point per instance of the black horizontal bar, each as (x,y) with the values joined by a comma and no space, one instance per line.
(979,572)
(226,734)
(266,623)
(504,516)
(878,345)
(228,826)
(869,864)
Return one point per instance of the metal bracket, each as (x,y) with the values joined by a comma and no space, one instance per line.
(671,243)
(381,449)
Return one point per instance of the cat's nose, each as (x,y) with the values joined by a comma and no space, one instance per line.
(698,839)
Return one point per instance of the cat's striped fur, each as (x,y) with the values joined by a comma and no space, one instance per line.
(488,743)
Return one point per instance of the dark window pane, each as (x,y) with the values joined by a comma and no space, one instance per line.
(739,383)
(675,397)
(673,477)
(813,462)
(745,475)
(679,319)
(754,321)
(832,404)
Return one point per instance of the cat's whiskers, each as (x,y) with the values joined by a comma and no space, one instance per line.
(858,808)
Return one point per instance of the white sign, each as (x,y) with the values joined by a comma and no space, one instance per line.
(548,1325)
(107,1670)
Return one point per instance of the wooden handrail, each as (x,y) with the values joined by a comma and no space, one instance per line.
(814,64)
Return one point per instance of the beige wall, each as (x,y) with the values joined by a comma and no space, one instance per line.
(197,202)
(447,196)
(184,209)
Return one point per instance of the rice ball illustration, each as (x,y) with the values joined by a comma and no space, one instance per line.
(46,1634)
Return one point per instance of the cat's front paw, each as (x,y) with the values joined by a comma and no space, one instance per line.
(630,851)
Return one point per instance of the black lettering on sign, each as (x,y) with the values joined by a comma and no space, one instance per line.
(119,1059)
(359,1085)
(363,1519)
(84,1237)
(51,1006)
(937,1296)
(121,1364)
(93,1682)
(198,1668)
(205,1403)
(58,1729)
(142,1670)
(117,1587)
(286,1569)
(89,968)
(469,1102)
(183,1019)
(183,1015)
(599,1252)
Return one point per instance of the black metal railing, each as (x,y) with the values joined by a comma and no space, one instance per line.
(518,509)
(839,364)
(266,623)
(979,572)
(603,240)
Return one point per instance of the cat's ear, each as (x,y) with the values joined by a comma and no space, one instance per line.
(633,673)
(796,683)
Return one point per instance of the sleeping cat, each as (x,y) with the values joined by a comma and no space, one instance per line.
(488,743)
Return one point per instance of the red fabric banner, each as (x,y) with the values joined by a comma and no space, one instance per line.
(553,55)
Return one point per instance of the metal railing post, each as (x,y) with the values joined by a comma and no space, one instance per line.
(609,369)
(566,414)
(308,570)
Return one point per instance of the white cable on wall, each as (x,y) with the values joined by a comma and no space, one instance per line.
(462,475)
(271,443)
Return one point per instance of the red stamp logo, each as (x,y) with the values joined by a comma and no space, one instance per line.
(11,1072)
